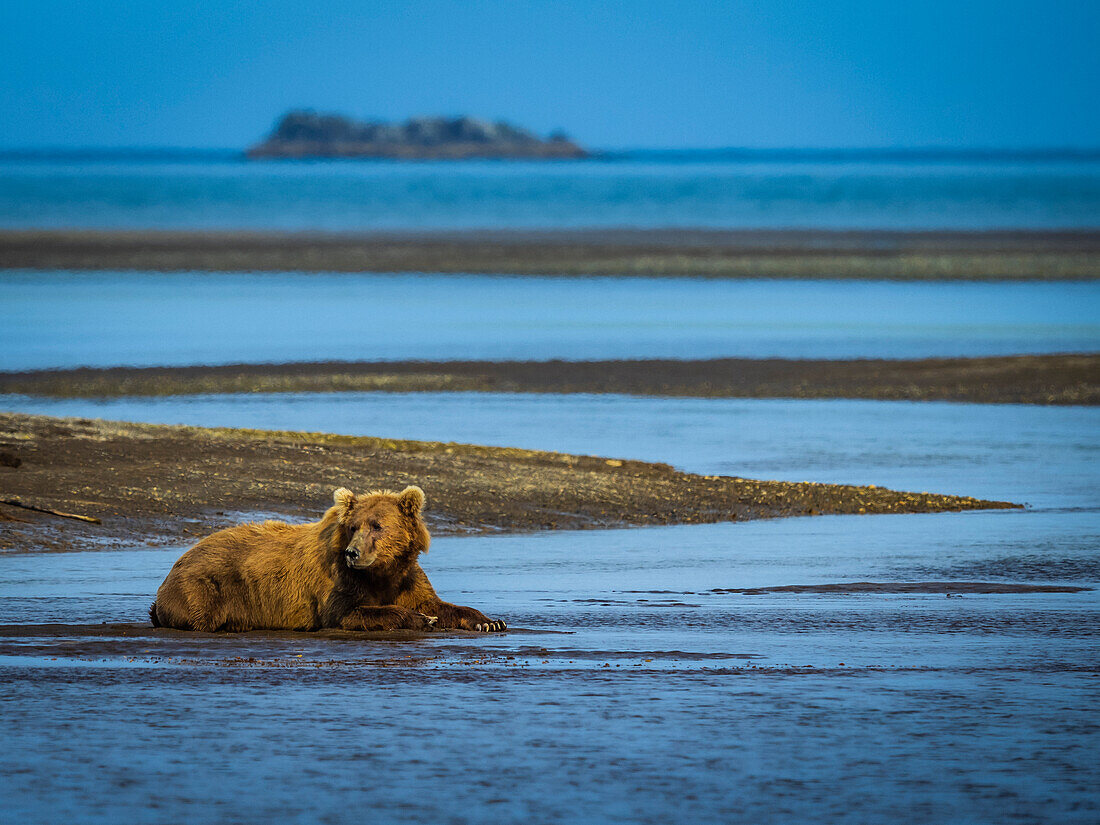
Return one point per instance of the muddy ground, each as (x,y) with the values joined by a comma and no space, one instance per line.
(984,255)
(155,484)
(1022,379)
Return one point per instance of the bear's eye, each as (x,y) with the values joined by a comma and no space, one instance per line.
(374,525)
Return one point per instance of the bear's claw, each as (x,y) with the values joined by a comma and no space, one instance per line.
(491,627)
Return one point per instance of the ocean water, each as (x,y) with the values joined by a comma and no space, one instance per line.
(63,319)
(696,191)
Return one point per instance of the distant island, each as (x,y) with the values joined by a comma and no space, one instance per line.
(307,134)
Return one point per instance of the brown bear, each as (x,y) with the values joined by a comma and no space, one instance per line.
(355,569)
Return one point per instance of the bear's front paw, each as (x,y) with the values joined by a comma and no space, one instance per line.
(478,622)
(456,617)
(388,618)
(420,621)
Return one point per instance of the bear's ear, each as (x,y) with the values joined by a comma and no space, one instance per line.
(345,500)
(410,501)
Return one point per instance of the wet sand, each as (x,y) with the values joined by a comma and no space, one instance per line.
(984,255)
(943,588)
(124,640)
(154,484)
(127,642)
(1023,379)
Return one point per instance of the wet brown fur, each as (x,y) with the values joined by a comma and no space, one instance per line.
(277,576)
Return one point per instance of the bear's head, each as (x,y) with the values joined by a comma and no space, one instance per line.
(381,531)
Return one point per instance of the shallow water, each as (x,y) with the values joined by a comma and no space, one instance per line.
(233,194)
(651,699)
(563,581)
(65,319)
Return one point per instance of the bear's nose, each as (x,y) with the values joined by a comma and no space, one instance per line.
(352,554)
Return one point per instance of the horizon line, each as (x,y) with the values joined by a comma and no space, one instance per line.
(607,153)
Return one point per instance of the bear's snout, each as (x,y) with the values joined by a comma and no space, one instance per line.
(357,559)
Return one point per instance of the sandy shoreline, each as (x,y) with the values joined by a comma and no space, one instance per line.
(1025,379)
(153,484)
(937,255)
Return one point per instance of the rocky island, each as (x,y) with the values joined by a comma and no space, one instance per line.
(307,134)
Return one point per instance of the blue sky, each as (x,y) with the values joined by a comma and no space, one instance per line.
(613,74)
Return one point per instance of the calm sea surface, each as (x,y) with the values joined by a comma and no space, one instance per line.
(60,319)
(367,195)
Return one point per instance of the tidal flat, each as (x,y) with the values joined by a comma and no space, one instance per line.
(694,253)
(1019,379)
(160,482)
